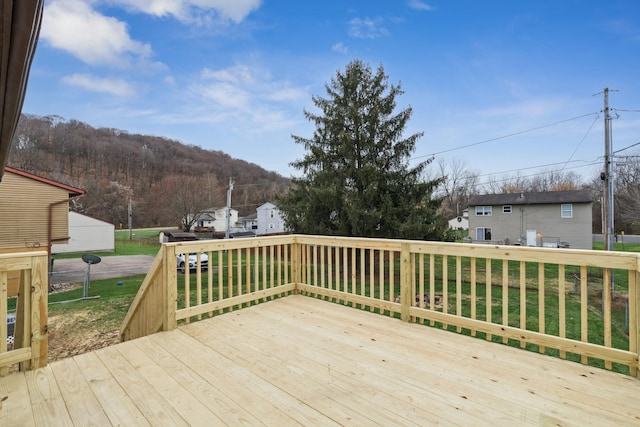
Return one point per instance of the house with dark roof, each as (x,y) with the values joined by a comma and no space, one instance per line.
(552,219)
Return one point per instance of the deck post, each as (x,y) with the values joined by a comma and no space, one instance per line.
(405,282)
(296,265)
(39,312)
(634,318)
(169,288)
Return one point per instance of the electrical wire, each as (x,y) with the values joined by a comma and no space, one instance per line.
(581,141)
(505,136)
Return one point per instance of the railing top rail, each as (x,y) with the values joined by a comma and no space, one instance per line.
(225,244)
(578,257)
(22,254)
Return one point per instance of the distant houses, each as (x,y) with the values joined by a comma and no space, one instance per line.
(267,220)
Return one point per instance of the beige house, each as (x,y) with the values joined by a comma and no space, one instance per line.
(552,219)
(34,211)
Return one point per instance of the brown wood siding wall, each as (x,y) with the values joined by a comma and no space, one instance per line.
(24,212)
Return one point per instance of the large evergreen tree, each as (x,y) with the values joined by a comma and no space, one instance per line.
(356,176)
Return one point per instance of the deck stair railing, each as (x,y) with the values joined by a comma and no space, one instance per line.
(23,303)
(512,295)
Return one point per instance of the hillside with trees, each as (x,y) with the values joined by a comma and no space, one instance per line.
(163,178)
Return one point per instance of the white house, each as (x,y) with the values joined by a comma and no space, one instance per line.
(87,234)
(269,219)
(460,222)
(250,222)
(217,218)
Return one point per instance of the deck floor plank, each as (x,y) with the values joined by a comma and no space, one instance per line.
(177,394)
(415,378)
(304,361)
(349,369)
(311,392)
(148,400)
(83,406)
(47,402)
(16,409)
(121,410)
(572,388)
(258,398)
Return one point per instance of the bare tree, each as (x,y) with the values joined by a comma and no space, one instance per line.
(458,184)
(182,199)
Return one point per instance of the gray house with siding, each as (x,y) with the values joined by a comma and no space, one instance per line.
(533,219)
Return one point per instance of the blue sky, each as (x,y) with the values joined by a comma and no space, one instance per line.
(235,75)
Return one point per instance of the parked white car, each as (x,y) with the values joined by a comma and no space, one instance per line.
(193,262)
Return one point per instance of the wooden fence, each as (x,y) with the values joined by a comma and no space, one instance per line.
(24,292)
(574,304)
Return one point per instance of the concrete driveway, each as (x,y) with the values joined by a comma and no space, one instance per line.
(75,270)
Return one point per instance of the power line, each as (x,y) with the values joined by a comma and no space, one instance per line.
(505,136)
(588,163)
(582,140)
(626,111)
(538,173)
(626,148)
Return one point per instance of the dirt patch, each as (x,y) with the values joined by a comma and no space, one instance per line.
(68,337)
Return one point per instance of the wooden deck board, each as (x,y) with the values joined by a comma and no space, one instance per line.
(302,361)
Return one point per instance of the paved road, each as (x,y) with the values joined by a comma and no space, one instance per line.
(75,270)
(627,238)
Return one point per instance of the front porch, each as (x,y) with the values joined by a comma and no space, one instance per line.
(302,361)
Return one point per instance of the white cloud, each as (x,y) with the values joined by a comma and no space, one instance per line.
(190,11)
(340,48)
(116,87)
(419,5)
(367,28)
(73,26)
(248,98)
(235,74)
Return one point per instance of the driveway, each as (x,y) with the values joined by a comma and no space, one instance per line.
(75,270)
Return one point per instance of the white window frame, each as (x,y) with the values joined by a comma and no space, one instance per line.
(507,209)
(483,210)
(564,207)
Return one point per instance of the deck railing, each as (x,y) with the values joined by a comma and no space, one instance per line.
(24,292)
(575,304)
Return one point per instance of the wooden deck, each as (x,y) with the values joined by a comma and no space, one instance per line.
(301,361)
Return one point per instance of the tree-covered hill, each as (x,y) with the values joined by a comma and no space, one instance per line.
(114,166)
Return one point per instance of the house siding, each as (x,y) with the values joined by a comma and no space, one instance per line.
(24,213)
(546,219)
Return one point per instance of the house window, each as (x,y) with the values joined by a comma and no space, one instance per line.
(483,234)
(271,227)
(567,210)
(506,209)
(271,214)
(483,210)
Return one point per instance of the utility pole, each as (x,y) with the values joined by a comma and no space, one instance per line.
(607,178)
(609,232)
(229,190)
(130,215)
